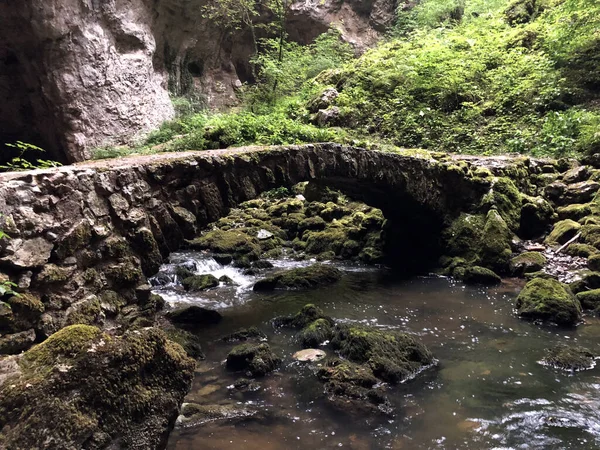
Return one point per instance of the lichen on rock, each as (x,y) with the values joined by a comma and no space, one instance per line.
(82,388)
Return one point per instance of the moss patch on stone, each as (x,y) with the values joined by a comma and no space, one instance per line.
(569,358)
(196,283)
(83,389)
(301,278)
(527,262)
(256,360)
(548,300)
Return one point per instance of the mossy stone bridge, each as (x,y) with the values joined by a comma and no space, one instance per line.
(80,231)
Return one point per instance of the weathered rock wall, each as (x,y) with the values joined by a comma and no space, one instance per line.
(80,74)
(83,236)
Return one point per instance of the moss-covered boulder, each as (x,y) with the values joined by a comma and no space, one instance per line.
(495,244)
(194,316)
(231,242)
(550,301)
(589,299)
(306,316)
(505,199)
(562,232)
(569,358)
(536,217)
(353,388)
(585,280)
(315,333)
(575,211)
(479,275)
(197,283)
(527,262)
(188,341)
(392,356)
(245,334)
(580,250)
(594,262)
(301,278)
(256,360)
(84,389)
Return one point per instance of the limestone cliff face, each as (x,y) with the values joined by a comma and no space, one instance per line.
(80,73)
(76,74)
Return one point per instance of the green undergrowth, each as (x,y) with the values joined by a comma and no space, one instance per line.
(466,76)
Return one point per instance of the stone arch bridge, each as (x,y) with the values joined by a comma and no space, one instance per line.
(82,231)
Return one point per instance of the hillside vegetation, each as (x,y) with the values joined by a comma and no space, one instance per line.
(468,76)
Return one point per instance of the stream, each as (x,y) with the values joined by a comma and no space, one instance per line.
(487,391)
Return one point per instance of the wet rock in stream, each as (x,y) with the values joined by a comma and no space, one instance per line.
(194,316)
(569,358)
(548,300)
(256,360)
(301,278)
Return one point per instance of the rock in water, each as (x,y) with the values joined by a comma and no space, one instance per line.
(302,278)
(570,358)
(194,316)
(309,355)
(84,389)
(548,300)
(256,360)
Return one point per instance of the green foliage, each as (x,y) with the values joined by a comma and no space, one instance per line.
(25,160)
(283,69)
(474,83)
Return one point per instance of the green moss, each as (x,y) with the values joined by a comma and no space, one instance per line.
(300,278)
(227,242)
(589,299)
(245,334)
(27,306)
(594,262)
(392,356)
(562,232)
(575,211)
(200,282)
(78,237)
(315,333)
(51,274)
(463,237)
(590,234)
(80,383)
(125,273)
(479,275)
(580,250)
(350,385)
(256,360)
(548,300)
(88,313)
(495,245)
(68,343)
(505,198)
(571,358)
(309,314)
(526,263)
(188,341)
(537,216)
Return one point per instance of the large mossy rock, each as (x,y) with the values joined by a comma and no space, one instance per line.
(302,278)
(84,389)
(353,388)
(392,356)
(316,333)
(307,315)
(195,283)
(230,242)
(562,232)
(478,275)
(550,301)
(527,262)
(536,217)
(589,299)
(480,241)
(256,360)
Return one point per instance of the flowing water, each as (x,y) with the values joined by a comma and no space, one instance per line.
(487,392)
